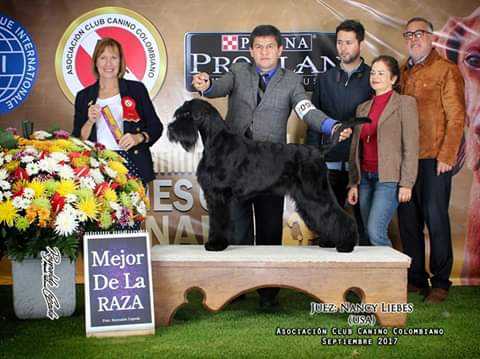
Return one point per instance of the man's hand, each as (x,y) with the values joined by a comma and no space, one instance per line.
(442,168)
(344,134)
(201,82)
(353,195)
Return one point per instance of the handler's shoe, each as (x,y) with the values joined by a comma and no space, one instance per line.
(269,305)
(425,291)
(437,295)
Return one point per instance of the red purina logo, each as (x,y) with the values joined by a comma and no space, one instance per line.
(143,46)
(229,42)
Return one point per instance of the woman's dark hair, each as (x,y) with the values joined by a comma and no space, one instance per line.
(393,67)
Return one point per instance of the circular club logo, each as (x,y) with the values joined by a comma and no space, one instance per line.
(18,64)
(143,46)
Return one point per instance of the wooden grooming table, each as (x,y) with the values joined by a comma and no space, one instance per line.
(377,274)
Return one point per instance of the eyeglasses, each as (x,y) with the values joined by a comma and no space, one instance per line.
(418,34)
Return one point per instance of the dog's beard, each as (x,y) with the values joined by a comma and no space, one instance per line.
(182,131)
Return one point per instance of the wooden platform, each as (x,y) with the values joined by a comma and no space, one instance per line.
(379,275)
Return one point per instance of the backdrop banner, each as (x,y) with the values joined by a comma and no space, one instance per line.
(57,42)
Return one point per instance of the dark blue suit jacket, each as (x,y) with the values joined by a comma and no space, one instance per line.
(149,122)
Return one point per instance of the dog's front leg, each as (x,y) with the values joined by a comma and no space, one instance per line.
(219,218)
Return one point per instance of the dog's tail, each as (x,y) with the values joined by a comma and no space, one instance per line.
(334,140)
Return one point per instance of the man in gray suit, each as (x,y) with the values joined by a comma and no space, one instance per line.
(260,99)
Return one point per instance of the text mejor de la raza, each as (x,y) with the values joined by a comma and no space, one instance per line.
(102,282)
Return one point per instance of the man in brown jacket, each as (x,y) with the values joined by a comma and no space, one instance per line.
(438,87)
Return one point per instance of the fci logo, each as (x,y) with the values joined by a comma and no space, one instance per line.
(144,49)
(18,64)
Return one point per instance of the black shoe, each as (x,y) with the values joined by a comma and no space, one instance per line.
(239,299)
(424,291)
(269,305)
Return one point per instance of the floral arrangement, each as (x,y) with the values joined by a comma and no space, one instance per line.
(54,187)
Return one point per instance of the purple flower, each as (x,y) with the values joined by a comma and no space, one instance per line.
(124,216)
(12,130)
(61,134)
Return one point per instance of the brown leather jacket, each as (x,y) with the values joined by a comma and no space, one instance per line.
(438,87)
(397,139)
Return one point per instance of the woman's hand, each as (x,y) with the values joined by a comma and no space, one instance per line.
(353,195)
(130,140)
(404,194)
(93,113)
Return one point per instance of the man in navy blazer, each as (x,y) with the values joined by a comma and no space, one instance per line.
(149,124)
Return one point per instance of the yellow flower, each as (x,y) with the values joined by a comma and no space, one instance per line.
(31,214)
(110,195)
(11,166)
(66,187)
(118,167)
(38,187)
(64,144)
(88,207)
(81,161)
(7,213)
(43,217)
(121,179)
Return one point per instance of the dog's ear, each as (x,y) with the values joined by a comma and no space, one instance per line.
(183,130)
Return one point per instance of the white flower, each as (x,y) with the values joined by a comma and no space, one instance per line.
(21,203)
(70,198)
(5,185)
(89,143)
(59,156)
(49,165)
(111,173)
(87,182)
(135,197)
(28,193)
(7,194)
(3,174)
(32,168)
(8,158)
(97,176)
(31,151)
(41,135)
(81,143)
(142,208)
(1,196)
(65,172)
(94,163)
(115,206)
(27,159)
(66,222)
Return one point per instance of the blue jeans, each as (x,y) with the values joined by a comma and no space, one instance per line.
(378,202)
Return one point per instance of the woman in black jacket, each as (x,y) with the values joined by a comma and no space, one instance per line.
(116,112)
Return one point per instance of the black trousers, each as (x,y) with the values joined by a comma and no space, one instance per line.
(268,226)
(429,205)
(338,182)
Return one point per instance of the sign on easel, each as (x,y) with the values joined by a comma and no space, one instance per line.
(118,284)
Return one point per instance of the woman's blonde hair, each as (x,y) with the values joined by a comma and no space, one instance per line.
(100,47)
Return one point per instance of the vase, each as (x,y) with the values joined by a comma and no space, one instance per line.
(28,282)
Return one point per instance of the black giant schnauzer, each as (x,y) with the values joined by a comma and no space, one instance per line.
(233,166)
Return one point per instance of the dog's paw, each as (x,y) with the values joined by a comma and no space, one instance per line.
(216,246)
(326,244)
(345,247)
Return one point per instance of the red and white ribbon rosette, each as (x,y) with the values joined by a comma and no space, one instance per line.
(130,113)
